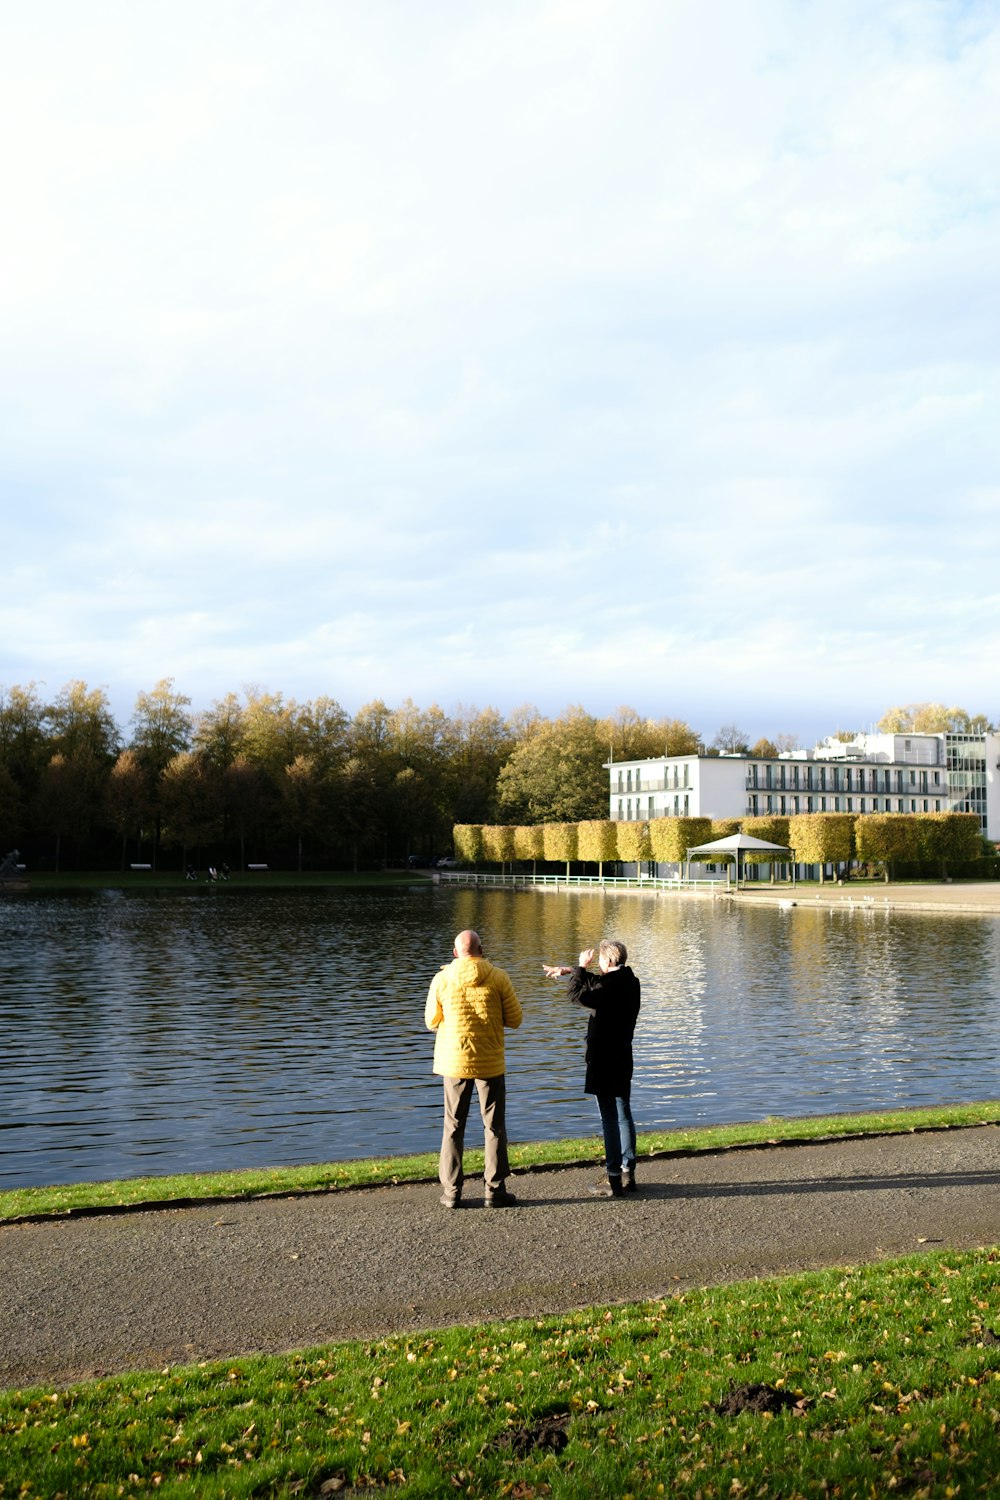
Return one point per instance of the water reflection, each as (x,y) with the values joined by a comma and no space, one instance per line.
(223,1027)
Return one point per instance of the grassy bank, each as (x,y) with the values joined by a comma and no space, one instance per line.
(20,1203)
(877,1380)
(144,880)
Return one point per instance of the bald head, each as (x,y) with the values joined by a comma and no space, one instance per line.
(468,945)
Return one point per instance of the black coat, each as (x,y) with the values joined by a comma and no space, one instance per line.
(614,1000)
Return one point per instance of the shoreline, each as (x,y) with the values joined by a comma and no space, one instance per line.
(981,898)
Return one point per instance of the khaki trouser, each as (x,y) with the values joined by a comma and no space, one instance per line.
(492,1107)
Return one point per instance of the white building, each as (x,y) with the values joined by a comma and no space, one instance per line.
(873,773)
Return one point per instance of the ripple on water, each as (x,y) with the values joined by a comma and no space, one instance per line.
(209,1028)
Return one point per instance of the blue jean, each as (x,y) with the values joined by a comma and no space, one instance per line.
(619,1132)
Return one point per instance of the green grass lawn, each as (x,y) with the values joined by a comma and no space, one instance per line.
(880,1380)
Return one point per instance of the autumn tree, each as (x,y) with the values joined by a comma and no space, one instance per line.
(247,801)
(628,736)
(83,732)
(23,747)
(886,839)
(304,800)
(948,839)
(597,842)
(476,744)
(190,803)
(498,843)
(556,773)
(671,838)
(931,718)
(822,838)
(468,842)
(128,800)
(273,734)
(529,842)
(161,726)
(633,843)
(773,829)
(61,801)
(560,842)
(218,733)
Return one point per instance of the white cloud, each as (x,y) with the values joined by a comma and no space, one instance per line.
(561,352)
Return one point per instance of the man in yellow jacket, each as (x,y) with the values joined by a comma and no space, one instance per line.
(469,1003)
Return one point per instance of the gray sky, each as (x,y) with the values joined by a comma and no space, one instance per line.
(557,353)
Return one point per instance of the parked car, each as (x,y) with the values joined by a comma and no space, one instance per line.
(448,863)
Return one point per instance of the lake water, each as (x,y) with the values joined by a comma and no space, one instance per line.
(222,1027)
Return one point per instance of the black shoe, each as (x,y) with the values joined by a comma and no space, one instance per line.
(628,1179)
(447,1200)
(499,1198)
(610,1187)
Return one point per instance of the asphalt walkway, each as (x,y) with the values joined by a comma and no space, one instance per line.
(90,1296)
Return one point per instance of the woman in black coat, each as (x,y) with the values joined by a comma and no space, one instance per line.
(612,997)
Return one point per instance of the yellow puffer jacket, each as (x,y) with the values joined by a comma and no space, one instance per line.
(469,1004)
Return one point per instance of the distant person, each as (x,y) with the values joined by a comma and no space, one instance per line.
(612,997)
(469,1004)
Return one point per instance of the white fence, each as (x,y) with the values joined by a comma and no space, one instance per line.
(521,880)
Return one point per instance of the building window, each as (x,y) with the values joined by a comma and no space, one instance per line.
(621,814)
(899,804)
(850,803)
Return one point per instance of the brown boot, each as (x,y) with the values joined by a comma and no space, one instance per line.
(611,1187)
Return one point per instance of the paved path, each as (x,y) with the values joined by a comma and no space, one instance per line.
(90,1296)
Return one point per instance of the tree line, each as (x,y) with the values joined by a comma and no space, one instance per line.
(889,843)
(258,777)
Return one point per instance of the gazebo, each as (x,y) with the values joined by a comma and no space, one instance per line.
(736,846)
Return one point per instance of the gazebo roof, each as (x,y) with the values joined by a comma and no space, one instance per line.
(737,843)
